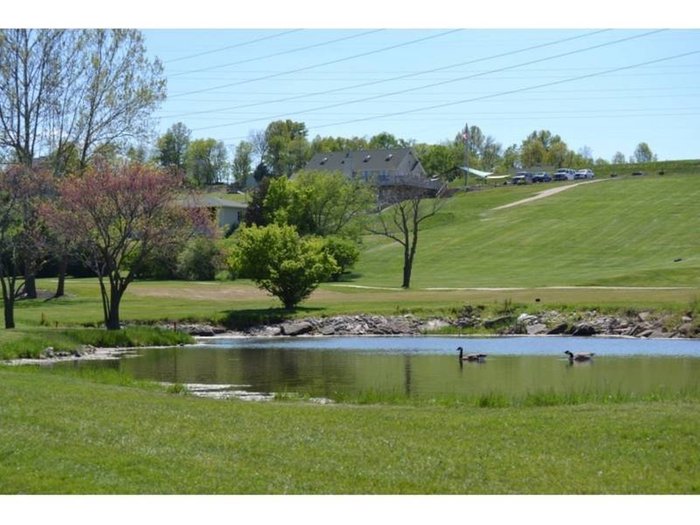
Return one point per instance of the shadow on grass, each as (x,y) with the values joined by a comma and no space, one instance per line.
(243,319)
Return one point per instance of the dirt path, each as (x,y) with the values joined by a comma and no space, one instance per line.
(546,193)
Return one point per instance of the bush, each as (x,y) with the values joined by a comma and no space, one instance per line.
(344,251)
(280,262)
(201,260)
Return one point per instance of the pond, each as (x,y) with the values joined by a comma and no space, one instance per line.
(343,367)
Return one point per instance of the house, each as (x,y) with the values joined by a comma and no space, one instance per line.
(376,165)
(228,213)
(383,167)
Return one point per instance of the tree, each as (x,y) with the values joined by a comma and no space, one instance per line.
(205,162)
(642,153)
(619,158)
(344,252)
(242,162)
(22,232)
(441,160)
(280,262)
(28,74)
(287,149)
(70,95)
(172,146)
(406,209)
(329,204)
(386,140)
(120,216)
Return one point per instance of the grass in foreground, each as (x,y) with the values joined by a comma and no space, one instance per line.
(65,434)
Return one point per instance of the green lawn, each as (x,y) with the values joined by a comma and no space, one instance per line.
(131,440)
(626,231)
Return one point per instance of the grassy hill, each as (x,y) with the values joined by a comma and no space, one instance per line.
(627,231)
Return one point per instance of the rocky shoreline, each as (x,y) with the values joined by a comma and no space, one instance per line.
(472,320)
(469,321)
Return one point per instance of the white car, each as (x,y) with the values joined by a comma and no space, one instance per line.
(564,174)
(584,174)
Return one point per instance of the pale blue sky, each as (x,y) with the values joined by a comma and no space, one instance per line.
(605,89)
(435,68)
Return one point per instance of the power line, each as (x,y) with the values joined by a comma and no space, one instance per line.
(518,90)
(279,53)
(400,77)
(336,61)
(226,48)
(441,83)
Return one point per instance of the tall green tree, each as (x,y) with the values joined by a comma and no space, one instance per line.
(242,162)
(287,149)
(206,162)
(172,146)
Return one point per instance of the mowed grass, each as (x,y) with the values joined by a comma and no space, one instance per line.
(127,440)
(169,302)
(626,231)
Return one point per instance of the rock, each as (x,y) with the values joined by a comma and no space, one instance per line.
(583,330)
(296,328)
(644,316)
(559,329)
(503,319)
(527,318)
(536,329)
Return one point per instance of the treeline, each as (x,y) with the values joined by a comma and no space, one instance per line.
(284,147)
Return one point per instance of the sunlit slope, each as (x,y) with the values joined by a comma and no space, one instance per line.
(628,231)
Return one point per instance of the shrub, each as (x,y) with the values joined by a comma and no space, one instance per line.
(201,260)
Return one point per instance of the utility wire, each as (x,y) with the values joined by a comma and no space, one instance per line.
(313,66)
(399,77)
(441,83)
(279,53)
(226,48)
(518,90)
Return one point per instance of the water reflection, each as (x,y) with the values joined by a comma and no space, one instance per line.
(328,367)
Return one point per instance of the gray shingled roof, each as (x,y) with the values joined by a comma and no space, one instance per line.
(362,160)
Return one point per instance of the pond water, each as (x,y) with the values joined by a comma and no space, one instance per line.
(330,367)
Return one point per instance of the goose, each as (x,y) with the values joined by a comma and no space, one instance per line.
(470,357)
(581,356)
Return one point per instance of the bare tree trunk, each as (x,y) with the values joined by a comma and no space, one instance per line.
(8,301)
(62,269)
(30,281)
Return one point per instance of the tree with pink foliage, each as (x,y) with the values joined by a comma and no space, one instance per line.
(118,217)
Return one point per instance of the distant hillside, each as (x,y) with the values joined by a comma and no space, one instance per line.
(627,230)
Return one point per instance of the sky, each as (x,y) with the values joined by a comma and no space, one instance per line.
(601,90)
(603,77)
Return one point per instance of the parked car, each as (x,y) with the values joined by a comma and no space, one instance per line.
(541,176)
(584,174)
(564,174)
(522,177)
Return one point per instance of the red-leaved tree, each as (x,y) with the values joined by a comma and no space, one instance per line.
(118,216)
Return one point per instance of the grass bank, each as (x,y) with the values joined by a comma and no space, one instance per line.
(128,440)
(31,342)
